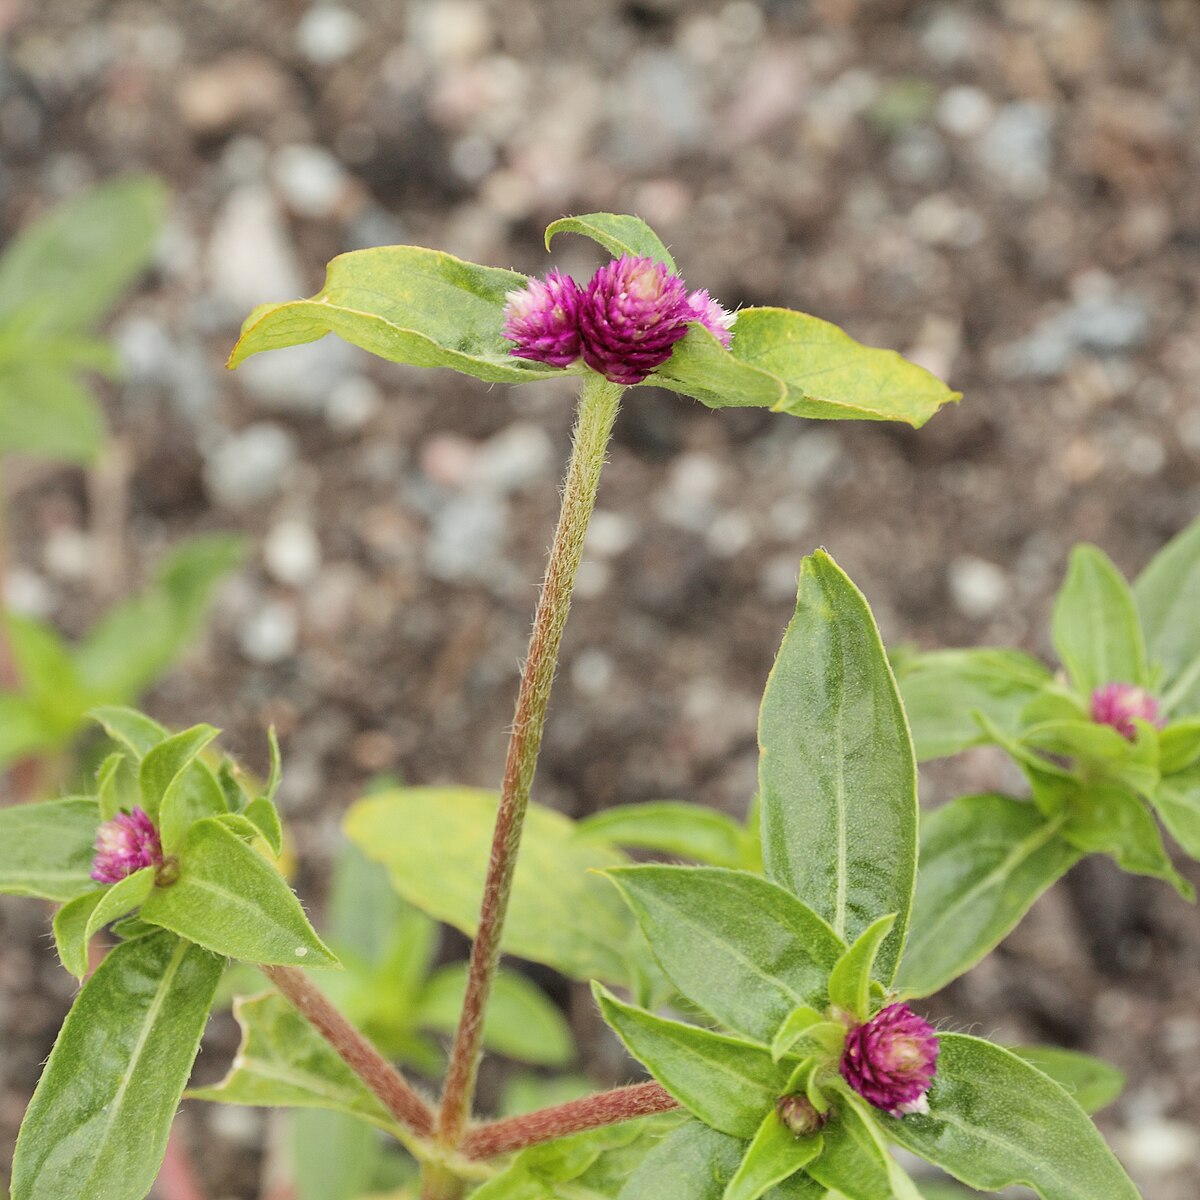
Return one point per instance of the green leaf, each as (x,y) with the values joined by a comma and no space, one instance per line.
(984,861)
(850,980)
(521,1021)
(134,643)
(618,233)
(1177,802)
(264,816)
(1096,628)
(743,949)
(1179,746)
(774,1155)
(167,761)
(229,899)
(1091,1083)
(115,789)
(855,1159)
(46,412)
(23,728)
(580,1167)
(836,772)
(995,1121)
(63,273)
(795,1026)
(696,1163)
(98,1122)
(1107,819)
(671,827)
(79,920)
(46,849)
(334,1157)
(941,690)
(435,843)
(133,730)
(282,1062)
(43,662)
(1166,594)
(798,364)
(727,1082)
(193,794)
(408,305)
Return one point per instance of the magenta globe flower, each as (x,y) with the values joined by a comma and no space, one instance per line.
(890,1060)
(633,313)
(543,319)
(1120,704)
(126,844)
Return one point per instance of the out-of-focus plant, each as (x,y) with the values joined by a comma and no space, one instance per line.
(58,280)
(766,995)
(1107,744)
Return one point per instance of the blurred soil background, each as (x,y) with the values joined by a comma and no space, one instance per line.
(1007,192)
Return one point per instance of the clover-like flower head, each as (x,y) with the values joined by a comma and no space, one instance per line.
(891,1059)
(1120,704)
(126,844)
(543,319)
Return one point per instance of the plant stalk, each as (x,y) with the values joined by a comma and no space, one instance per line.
(589,1112)
(598,404)
(395,1092)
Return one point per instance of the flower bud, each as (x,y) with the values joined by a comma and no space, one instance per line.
(1119,704)
(126,844)
(796,1112)
(633,313)
(891,1059)
(543,319)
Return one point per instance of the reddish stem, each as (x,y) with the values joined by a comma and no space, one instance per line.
(590,1112)
(395,1092)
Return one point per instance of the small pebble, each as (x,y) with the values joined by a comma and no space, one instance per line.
(292,552)
(271,632)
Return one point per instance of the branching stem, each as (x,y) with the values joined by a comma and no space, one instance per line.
(598,404)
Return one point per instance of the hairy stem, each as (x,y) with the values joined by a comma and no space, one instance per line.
(590,1112)
(437,1183)
(598,403)
(395,1093)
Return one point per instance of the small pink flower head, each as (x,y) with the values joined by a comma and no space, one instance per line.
(1119,704)
(126,844)
(543,319)
(633,313)
(713,315)
(890,1061)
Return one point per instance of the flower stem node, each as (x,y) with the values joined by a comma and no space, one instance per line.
(797,1113)
(1120,704)
(126,844)
(891,1060)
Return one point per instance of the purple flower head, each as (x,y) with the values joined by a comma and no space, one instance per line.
(633,313)
(713,315)
(126,844)
(543,319)
(890,1061)
(1119,704)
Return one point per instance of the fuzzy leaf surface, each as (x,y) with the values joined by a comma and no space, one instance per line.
(231,900)
(138,733)
(1091,1083)
(850,979)
(728,1083)
(774,1155)
(996,1121)
(855,1161)
(435,843)
(46,848)
(406,304)
(984,861)
(78,921)
(618,233)
(98,1122)
(1177,802)
(282,1062)
(837,774)
(742,948)
(1096,628)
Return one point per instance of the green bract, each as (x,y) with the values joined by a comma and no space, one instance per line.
(429,309)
